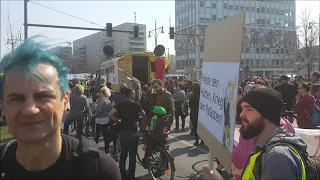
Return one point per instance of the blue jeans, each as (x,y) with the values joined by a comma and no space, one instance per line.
(129,145)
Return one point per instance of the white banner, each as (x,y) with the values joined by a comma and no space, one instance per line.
(82,76)
(218,100)
(111,70)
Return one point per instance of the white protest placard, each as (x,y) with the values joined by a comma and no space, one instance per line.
(110,68)
(218,100)
(219,86)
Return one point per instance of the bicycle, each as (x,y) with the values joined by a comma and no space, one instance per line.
(161,163)
(88,127)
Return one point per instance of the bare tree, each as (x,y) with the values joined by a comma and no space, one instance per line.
(13,32)
(307,49)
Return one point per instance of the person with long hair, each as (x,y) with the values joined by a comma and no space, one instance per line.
(78,105)
(194,109)
(102,119)
(304,106)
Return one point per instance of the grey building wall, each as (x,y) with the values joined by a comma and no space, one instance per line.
(270,32)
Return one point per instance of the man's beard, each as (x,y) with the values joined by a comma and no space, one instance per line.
(253,128)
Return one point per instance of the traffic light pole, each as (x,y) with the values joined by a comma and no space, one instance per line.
(182,34)
(25,19)
(26,25)
(75,27)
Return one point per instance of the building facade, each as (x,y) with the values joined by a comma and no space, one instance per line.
(270,33)
(65,53)
(172,66)
(89,50)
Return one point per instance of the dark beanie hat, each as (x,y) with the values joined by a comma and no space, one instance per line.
(267,102)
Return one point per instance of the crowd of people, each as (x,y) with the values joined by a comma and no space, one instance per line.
(300,95)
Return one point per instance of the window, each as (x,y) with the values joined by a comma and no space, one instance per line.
(201,3)
(201,18)
(267,50)
(258,62)
(253,9)
(247,61)
(268,22)
(258,10)
(225,5)
(263,10)
(242,8)
(257,50)
(241,62)
(207,19)
(236,7)
(286,24)
(247,50)
(230,7)
(214,18)
(268,10)
(219,19)
(262,21)
(201,48)
(277,51)
(277,62)
(257,21)
(225,17)
(253,62)
(248,9)
(287,51)
(282,51)
(262,50)
(214,5)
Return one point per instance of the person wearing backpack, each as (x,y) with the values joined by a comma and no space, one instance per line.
(278,154)
(36,95)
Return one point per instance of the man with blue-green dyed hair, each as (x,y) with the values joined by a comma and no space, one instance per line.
(35,94)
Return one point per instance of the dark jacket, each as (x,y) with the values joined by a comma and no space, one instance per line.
(289,93)
(194,108)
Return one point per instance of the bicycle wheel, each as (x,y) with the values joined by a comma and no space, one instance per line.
(88,130)
(118,150)
(140,153)
(161,165)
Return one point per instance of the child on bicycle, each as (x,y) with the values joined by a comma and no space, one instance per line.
(158,112)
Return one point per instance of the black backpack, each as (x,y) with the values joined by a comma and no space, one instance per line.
(79,150)
(312,163)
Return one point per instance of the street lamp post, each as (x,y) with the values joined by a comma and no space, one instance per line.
(310,27)
(155,33)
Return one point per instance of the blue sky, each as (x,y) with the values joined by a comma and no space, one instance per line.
(101,12)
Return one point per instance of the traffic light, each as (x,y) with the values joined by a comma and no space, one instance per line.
(109,29)
(171,30)
(136,31)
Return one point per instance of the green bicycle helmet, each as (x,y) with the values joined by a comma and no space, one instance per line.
(159,110)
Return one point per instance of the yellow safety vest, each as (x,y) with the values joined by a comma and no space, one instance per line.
(248,172)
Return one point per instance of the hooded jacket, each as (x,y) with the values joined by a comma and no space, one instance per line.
(278,162)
